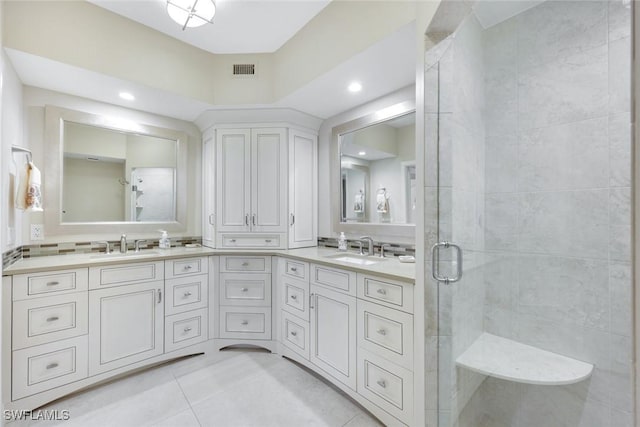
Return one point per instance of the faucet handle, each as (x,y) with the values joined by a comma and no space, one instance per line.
(382,246)
(106,244)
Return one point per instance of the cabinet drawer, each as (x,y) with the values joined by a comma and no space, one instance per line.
(42,320)
(40,368)
(124,274)
(294,296)
(387,385)
(296,269)
(186,293)
(390,293)
(245,323)
(248,289)
(386,332)
(258,264)
(295,334)
(36,285)
(184,267)
(250,241)
(185,329)
(334,278)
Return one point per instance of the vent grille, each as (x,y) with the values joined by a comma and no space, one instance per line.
(244,69)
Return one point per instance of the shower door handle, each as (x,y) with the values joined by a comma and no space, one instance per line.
(435,268)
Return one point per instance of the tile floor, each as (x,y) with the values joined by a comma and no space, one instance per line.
(232,388)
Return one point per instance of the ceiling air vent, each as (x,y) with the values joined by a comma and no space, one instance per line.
(244,69)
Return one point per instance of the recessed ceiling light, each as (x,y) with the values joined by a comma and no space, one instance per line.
(127,96)
(355,87)
(362,153)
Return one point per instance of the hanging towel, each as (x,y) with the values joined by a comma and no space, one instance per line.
(34,195)
(23,183)
(382,202)
(358,204)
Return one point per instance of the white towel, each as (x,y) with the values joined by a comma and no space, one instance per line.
(23,183)
(34,195)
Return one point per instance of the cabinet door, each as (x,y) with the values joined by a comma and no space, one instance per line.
(303,190)
(333,334)
(268,175)
(233,183)
(126,325)
(208,188)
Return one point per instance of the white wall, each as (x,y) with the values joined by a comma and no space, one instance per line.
(324,149)
(35,99)
(12,134)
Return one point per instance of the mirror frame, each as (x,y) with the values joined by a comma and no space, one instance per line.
(374,228)
(53,178)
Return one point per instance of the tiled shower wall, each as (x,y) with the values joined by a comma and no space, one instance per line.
(557,209)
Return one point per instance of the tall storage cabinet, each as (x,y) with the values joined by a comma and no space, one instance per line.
(264,187)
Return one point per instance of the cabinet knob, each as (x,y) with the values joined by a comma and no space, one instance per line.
(381,331)
(187,294)
(382,383)
(187,329)
(294,269)
(53,283)
(245,264)
(52,365)
(294,297)
(294,333)
(232,240)
(267,240)
(244,322)
(244,289)
(381,291)
(188,267)
(52,318)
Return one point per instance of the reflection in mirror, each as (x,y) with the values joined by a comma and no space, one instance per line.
(111,175)
(378,172)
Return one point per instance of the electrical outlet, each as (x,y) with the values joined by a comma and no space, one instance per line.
(37,232)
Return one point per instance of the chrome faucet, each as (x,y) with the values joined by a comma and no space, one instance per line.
(123,244)
(137,244)
(369,240)
(107,246)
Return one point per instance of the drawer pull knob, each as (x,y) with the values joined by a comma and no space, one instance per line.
(294,333)
(52,365)
(294,297)
(187,294)
(56,283)
(232,240)
(381,291)
(188,267)
(267,240)
(245,264)
(244,289)
(294,269)
(52,318)
(381,331)
(187,329)
(382,383)
(244,322)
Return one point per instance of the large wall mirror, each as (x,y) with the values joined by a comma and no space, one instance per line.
(374,173)
(112,173)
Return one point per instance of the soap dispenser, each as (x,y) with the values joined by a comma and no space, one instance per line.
(164,242)
(342,242)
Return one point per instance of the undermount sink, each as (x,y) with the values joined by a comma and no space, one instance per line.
(118,255)
(355,259)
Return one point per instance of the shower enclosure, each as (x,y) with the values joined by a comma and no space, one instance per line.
(528,171)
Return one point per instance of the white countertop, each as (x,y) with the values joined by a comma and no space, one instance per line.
(389,267)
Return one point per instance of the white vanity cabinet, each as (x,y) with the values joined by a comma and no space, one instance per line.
(260,188)
(126,314)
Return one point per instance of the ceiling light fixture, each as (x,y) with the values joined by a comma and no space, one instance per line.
(362,153)
(127,96)
(355,87)
(191,13)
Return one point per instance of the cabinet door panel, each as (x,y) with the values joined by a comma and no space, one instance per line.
(208,188)
(333,334)
(126,325)
(303,190)
(269,168)
(234,179)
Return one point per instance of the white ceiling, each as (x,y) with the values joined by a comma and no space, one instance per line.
(239,26)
